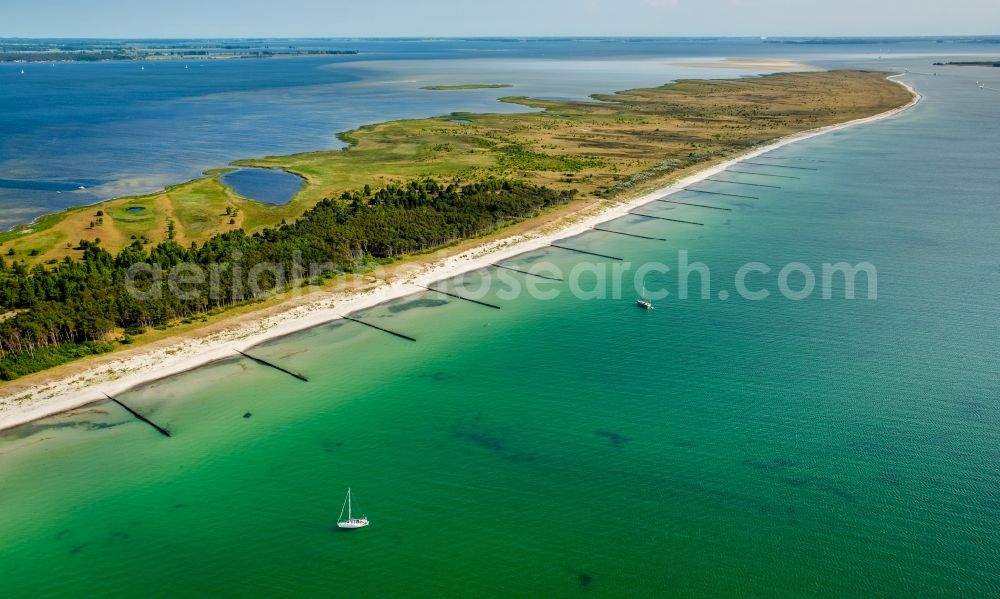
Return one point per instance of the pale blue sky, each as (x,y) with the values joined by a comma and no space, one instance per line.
(339,18)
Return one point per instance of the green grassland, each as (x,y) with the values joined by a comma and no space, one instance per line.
(613,145)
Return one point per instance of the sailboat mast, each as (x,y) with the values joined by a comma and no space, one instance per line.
(349,503)
(340,518)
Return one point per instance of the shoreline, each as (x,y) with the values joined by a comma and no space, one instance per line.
(750,63)
(74,391)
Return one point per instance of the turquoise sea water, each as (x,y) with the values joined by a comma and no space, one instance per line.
(708,448)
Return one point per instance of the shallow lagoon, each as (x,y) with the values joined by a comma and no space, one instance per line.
(269,186)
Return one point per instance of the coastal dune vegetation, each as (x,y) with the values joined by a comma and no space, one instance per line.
(70,310)
(400,188)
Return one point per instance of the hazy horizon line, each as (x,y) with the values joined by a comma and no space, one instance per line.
(513,36)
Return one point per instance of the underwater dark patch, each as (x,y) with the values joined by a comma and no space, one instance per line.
(521,458)
(437,376)
(329,445)
(32,428)
(474,432)
(414,304)
(530,259)
(615,439)
(972,408)
(480,438)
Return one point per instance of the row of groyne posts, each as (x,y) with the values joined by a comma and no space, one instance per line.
(785,166)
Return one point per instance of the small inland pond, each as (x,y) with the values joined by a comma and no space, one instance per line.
(270,186)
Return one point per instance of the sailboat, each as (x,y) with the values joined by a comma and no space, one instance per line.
(351,522)
(642,302)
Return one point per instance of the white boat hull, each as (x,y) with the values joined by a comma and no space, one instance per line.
(351,524)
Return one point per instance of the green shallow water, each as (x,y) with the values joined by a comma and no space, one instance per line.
(566,447)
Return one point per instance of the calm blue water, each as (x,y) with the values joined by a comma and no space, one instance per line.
(271,186)
(120,129)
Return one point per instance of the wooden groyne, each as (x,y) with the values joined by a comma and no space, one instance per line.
(719,193)
(455,295)
(375,326)
(673,220)
(524,272)
(742,183)
(695,205)
(798,168)
(139,416)
(562,247)
(763,174)
(629,234)
(795,158)
(273,365)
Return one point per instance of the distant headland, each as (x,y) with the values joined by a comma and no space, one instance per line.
(56,50)
(444,88)
(969,63)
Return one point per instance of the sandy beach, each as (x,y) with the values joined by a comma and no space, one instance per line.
(754,64)
(18,406)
